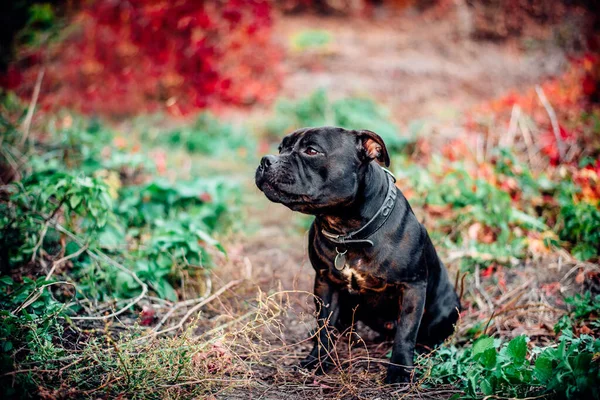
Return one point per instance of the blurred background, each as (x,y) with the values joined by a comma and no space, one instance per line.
(130,132)
(419,58)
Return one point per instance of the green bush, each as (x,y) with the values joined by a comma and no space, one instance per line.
(204,199)
(471,200)
(570,370)
(349,113)
(488,367)
(30,329)
(207,135)
(311,39)
(83,202)
(491,367)
(580,223)
(154,228)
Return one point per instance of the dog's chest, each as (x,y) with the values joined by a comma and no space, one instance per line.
(356,277)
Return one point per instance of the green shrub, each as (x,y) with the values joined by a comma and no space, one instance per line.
(349,113)
(582,308)
(207,135)
(311,39)
(571,369)
(30,327)
(83,202)
(490,367)
(469,200)
(580,223)
(205,200)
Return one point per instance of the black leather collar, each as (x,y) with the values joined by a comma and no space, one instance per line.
(361,236)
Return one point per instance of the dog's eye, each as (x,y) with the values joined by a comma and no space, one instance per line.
(310,151)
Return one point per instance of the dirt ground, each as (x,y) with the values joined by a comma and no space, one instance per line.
(420,68)
(419,65)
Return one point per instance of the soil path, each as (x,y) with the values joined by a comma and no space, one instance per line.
(419,65)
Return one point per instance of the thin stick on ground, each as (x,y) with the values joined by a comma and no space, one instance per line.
(56,263)
(528,141)
(185,304)
(36,294)
(40,241)
(36,92)
(512,127)
(553,120)
(100,256)
(192,311)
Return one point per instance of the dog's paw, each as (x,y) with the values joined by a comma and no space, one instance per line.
(397,375)
(323,367)
(312,362)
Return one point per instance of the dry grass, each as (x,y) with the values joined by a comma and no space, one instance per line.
(249,327)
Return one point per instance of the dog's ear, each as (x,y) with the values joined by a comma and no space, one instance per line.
(371,147)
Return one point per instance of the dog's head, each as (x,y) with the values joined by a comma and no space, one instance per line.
(319,168)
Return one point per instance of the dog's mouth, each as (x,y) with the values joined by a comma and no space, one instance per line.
(277,192)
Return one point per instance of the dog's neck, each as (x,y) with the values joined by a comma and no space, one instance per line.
(369,198)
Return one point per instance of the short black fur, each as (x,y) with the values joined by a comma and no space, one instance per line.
(398,287)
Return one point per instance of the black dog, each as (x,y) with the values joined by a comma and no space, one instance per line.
(374,261)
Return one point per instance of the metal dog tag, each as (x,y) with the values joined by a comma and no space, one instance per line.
(340,260)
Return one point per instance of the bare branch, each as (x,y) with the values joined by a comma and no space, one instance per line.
(193,310)
(553,120)
(185,303)
(36,92)
(56,263)
(100,256)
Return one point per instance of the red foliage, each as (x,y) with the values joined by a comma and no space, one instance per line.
(588,179)
(141,55)
(147,316)
(571,96)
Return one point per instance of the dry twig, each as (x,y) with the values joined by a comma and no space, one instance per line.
(100,256)
(56,263)
(553,120)
(185,304)
(36,92)
(512,127)
(192,310)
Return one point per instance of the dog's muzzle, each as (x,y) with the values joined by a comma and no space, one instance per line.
(265,164)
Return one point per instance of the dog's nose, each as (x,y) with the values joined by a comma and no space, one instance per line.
(267,161)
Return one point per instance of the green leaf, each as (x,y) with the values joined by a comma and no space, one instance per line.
(543,368)
(74,200)
(205,237)
(517,349)
(527,220)
(164,262)
(486,387)
(165,290)
(482,344)
(111,236)
(6,280)
(488,358)
(125,282)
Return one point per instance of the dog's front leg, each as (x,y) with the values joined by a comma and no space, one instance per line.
(411,311)
(326,301)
